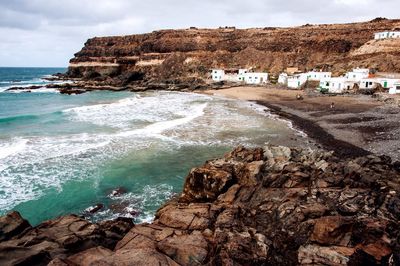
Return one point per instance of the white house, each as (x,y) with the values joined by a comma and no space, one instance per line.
(387,82)
(336,85)
(255,78)
(217,74)
(241,75)
(317,75)
(283,79)
(386,35)
(296,81)
(243,71)
(357,74)
(395,89)
(324,85)
(369,84)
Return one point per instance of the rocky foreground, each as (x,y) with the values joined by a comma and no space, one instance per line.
(271,206)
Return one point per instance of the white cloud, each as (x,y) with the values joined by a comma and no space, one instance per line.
(49,32)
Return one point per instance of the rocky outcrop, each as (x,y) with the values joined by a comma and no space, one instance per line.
(23,245)
(271,206)
(185,56)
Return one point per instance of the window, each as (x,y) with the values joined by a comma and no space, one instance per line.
(215,77)
(215,71)
(370,83)
(255,77)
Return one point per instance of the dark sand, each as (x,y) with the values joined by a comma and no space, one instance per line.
(358,125)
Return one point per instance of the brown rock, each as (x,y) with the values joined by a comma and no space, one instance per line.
(252,173)
(332,230)
(318,255)
(227,218)
(59,238)
(205,184)
(12,225)
(194,217)
(281,210)
(185,249)
(230,195)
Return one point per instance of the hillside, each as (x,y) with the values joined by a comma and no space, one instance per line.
(169,54)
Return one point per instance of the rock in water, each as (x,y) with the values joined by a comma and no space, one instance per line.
(271,206)
(117,192)
(95,208)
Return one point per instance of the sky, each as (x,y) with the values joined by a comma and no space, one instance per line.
(46,33)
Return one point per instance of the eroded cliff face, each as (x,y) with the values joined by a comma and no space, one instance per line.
(270,206)
(189,54)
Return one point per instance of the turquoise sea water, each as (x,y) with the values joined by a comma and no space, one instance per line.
(61,154)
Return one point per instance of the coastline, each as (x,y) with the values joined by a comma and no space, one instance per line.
(357,126)
(242,209)
(252,200)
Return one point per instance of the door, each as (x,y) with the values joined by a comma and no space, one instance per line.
(385,84)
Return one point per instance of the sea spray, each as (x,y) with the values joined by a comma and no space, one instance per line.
(63,154)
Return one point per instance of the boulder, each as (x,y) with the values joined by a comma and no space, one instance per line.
(205,184)
(332,230)
(186,249)
(59,238)
(11,225)
(193,216)
(320,255)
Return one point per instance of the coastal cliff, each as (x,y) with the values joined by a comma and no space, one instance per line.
(270,206)
(179,56)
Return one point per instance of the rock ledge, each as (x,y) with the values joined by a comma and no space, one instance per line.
(271,206)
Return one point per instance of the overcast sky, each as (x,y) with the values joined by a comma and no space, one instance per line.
(49,32)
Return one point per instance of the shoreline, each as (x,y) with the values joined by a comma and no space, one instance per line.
(322,137)
(241,209)
(357,126)
(240,201)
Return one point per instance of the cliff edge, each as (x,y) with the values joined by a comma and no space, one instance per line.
(271,206)
(176,56)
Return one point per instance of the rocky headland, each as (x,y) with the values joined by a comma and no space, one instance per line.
(183,58)
(265,206)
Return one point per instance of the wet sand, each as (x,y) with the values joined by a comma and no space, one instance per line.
(357,125)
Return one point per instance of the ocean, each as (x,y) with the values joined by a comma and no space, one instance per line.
(61,154)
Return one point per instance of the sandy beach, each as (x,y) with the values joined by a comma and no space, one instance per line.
(357,125)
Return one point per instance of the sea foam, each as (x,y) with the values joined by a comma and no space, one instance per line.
(13,147)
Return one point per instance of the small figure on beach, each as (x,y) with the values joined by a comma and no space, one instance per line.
(332,105)
(299,97)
